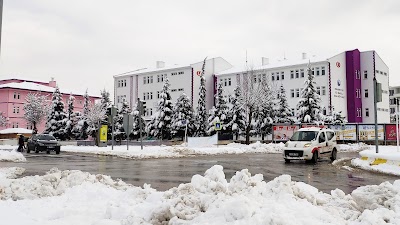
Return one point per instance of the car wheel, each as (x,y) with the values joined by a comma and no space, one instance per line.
(315,157)
(36,149)
(287,160)
(48,151)
(334,155)
(57,151)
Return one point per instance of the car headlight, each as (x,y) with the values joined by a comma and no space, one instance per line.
(307,145)
(286,144)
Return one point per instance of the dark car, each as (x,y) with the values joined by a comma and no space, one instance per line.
(43,142)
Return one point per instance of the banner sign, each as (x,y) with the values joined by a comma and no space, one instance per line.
(103,133)
(345,132)
(367,132)
(390,131)
(284,132)
(313,125)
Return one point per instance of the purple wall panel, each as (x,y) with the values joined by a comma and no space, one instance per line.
(353,83)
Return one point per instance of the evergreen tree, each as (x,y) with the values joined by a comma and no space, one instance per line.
(86,103)
(284,112)
(160,125)
(119,131)
(56,122)
(201,121)
(308,107)
(183,115)
(237,113)
(220,113)
(35,109)
(3,120)
(70,117)
(81,131)
(135,133)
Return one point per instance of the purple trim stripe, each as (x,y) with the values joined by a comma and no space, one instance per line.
(353,86)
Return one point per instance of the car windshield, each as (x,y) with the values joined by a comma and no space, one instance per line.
(45,137)
(304,136)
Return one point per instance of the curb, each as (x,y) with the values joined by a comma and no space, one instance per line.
(376,161)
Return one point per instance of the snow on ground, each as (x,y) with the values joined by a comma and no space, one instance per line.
(11,156)
(75,197)
(390,153)
(163,151)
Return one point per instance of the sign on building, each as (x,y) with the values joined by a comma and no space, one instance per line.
(345,132)
(284,132)
(367,132)
(390,131)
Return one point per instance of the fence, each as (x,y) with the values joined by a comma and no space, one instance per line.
(346,132)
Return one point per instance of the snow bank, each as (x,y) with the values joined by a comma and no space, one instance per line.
(75,197)
(11,156)
(182,151)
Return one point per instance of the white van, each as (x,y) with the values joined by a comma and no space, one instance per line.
(310,144)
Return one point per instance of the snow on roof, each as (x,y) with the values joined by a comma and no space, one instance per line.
(150,70)
(39,87)
(273,65)
(19,77)
(15,131)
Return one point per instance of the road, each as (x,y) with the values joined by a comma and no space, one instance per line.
(163,174)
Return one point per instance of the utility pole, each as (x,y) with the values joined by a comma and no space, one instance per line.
(112,126)
(376,115)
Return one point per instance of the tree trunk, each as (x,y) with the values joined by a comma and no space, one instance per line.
(248,128)
(34,128)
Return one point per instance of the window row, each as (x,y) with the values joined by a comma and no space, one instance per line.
(121,98)
(177,73)
(226,81)
(179,89)
(295,93)
(15,125)
(277,75)
(147,79)
(381,72)
(148,112)
(121,83)
(17,95)
(16,109)
(147,95)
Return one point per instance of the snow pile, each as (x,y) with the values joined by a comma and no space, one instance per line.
(356,147)
(11,156)
(75,197)
(390,153)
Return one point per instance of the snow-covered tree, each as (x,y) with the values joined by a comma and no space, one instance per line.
(308,107)
(265,110)
(137,119)
(94,118)
(335,118)
(284,113)
(251,100)
(3,120)
(201,112)
(160,125)
(70,117)
(79,130)
(36,108)
(119,131)
(106,104)
(220,113)
(86,103)
(237,113)
(56,122)
(183,114)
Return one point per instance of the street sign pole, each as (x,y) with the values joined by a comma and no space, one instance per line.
(376,115)
(140,123)
(127,135)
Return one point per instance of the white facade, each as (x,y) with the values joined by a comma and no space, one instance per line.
(146,84)
(344,82)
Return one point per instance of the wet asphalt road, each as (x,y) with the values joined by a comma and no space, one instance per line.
(163,174)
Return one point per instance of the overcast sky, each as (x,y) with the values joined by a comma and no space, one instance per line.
(83,43)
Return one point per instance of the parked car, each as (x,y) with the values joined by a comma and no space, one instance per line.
(311,144)
(43,142)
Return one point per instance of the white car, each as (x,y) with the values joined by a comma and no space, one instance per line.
(310,144)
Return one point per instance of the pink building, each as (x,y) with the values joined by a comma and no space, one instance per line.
(13,92)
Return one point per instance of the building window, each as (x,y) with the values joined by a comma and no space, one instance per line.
(180,89)
(392,111)
(291,74)
(359,113)
(158,94)
(144,96)
(292,93)
(173,90)
(391,92)
(312,71)
(144,80)
(297,93)
(180,73)
(365,74)
(229,81)
(319,90)
(282,75)
(273,76)
(292,111)
(366,93)
(302,73)
(322,70)
(297,73)
(173,74)
(317,69)
(323,90)
(277,76)
(367,112)
(357,74)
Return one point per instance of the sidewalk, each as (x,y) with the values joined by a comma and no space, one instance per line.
(387,160)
